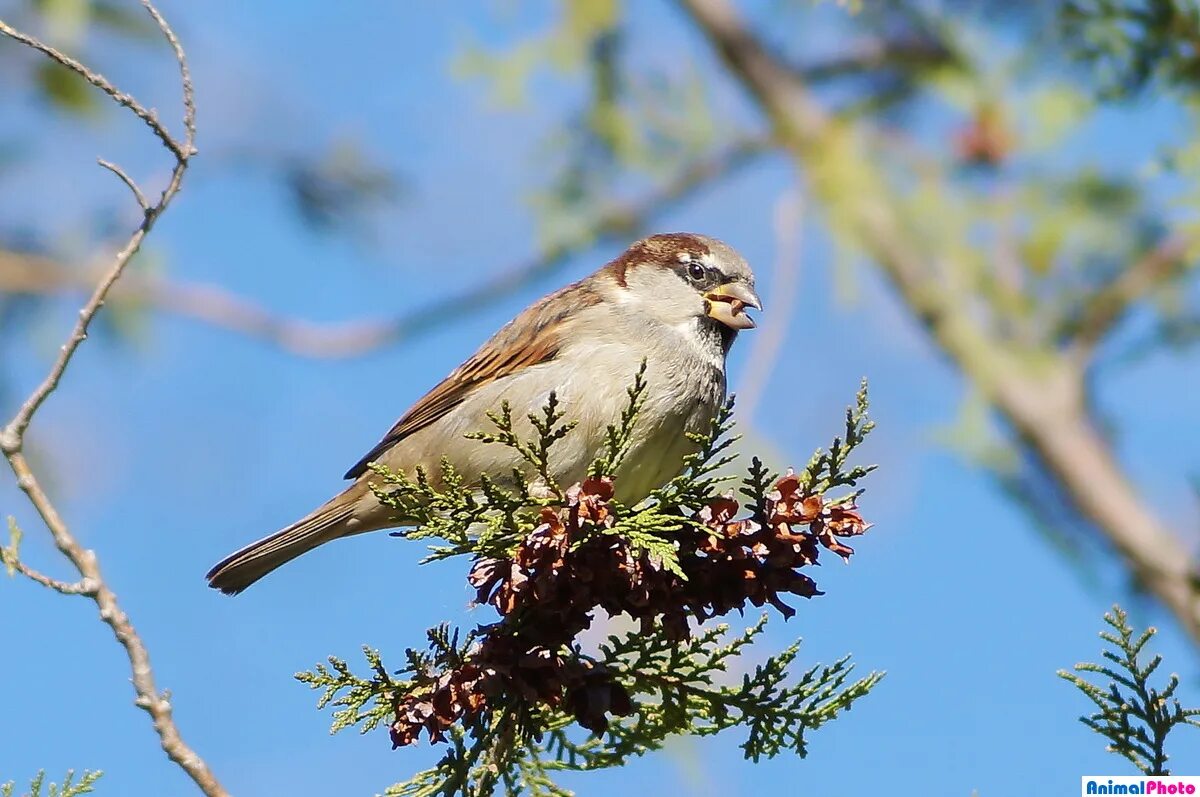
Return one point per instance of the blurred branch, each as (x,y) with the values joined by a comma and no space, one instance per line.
(1041,400)
(875,54)
(764,352)
(1108,306)
(38,275)
(12,437)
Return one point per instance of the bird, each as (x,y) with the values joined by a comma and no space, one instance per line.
(674,302)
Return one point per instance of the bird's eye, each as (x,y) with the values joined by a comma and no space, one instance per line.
(696,272)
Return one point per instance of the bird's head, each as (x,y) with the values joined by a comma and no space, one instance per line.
(681,278)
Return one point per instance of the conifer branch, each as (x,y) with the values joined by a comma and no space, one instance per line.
(1134,716)
(69,788)
(510,697)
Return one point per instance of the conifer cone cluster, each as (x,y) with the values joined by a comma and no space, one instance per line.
(574,562)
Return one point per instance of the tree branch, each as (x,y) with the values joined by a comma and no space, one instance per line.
(768,344)
(10,558)
(121,98)
(81,587)
(12,437)
(875,54)
(1041,401)
(138,196)
(210,304)
(1109,305)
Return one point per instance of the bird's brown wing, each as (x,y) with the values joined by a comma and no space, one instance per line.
(531,338)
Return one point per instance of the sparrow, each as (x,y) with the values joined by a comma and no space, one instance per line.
(673,301)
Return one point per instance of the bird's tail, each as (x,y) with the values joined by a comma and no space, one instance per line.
(332,520)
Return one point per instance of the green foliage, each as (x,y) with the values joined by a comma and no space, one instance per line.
(827,469)
(656,120)
(69,787)
(511,724)
(11,554)
(66,90)
(365,702)
(549,431)
(68,23)
(677,688)
(496,520)
(1132,715)
(340,189)
(684,695)
(618,437)
(1130,43)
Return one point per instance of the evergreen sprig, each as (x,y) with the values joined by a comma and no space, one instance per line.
(617,437)
(365,702)
(697,481)
(518,700)
(683,695)
(827,469)
(549,430)
(69,788)
(490,519)
(1134,716)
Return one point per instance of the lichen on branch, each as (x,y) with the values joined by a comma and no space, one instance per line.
(509,696)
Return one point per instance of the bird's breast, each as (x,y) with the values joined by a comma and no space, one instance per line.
(682,393)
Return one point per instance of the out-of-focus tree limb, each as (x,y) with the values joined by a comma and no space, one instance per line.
(768,344)
(881,53)
(211,304)
(12,435)
(1042,400)
(1108,306)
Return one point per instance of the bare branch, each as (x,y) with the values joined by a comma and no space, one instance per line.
(125,178)
(214,305)
(10,557)
(102,83)
(12,437)
(185,79)
(13,434)
(1044,405)
(83,586)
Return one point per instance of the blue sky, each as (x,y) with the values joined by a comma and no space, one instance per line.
(168,453)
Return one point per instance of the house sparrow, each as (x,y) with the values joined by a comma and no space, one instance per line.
(675,301)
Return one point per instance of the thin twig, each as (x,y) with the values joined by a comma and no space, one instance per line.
(13,434)
(10,558)
(83,586)
(125,178)
(185,79)
(102,83)
(12,437)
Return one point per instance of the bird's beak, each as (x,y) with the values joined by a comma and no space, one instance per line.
(727,304)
